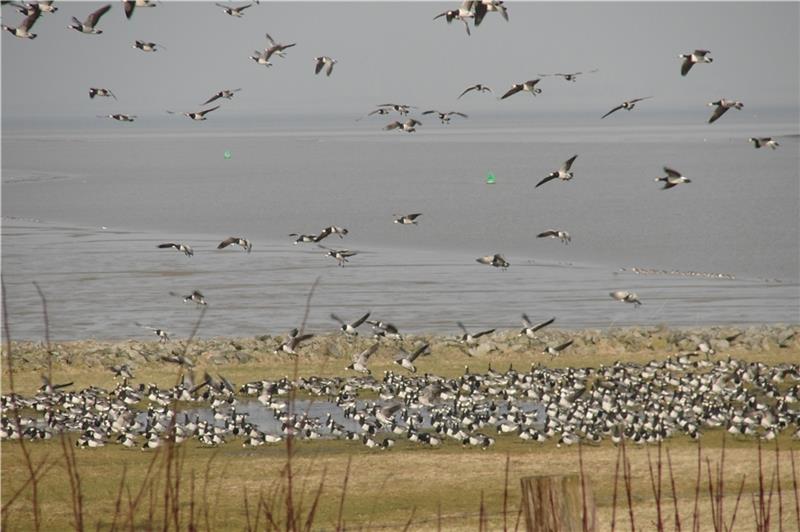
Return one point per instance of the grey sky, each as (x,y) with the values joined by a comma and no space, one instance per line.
(392,52)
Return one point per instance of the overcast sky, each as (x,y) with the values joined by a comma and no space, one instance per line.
(393,52)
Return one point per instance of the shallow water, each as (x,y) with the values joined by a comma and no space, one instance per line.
(85,206)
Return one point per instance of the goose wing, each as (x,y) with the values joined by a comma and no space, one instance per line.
(564,345)
(417,352)
(213,98)
(129,6)
(568,164)
(227,242)
(718,112)
(513,90)
(360,320)
(30,20)
(615,109)
(671,173)
(686,66)
(203,113)
(319,65)
(545,234)
(364,355)
(545,180)
(94,18)
(472,88)
(543,324)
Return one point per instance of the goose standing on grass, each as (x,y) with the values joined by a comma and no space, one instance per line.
(763,141)
(147,46)
(528,329)
(627,105)
(23,30)
(196,115)
(234,11)
(225,93)
(187,250)
(239,241)
(276,48)
(88,26)
(130,5)
(554,351)
(562,173)
(722,107)
(626,297)
(350,328)
(477,87)
(528,86)
(409,126)
(407,219)
(105,93)
(673,178)
(496,260)
(555,233)
(360,360)
(445,117)
(690,59)
(406,360)
(324,62)
(119,117)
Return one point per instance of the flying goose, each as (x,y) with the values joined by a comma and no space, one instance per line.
(239,241)
(88,26)
(147,46)
(528,329)
(484,6)
(331,230)
(445,117)
(101,92)
(225,93)
(627,105)
(471,339)
(722,107)
(496,260)
(23,30)
(477,87)
(324,62)
(276,47)
(554,351)
(187,250)
(461,14)
(130,5)
(689,60)
(383,329)
(233,11)
(763,141)
(261,58)
(407,219)
(562,173)
(571,76)
(529,86)
(406,360)
(626,297)
(196,296)
(360,360)
(672,178)
(196,115)
(399,107)
(163,336)
(408,126)
(292,341)
(119,117)
(379,111)
(341,255)
(303,238)
(350,328)
(555,233)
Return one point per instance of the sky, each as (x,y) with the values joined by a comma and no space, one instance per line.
(395,52)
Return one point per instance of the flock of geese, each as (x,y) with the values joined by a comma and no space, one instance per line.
(645,403)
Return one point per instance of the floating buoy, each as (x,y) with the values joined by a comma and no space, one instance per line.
(490,178)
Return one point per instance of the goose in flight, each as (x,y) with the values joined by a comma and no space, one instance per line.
(163,336)
(496,260)
(402,109)
(571,76)
(88,26)
(627,105)
(324,62)
(276,47)
(196,297)
(341,255)
(261,58)
(239,241)
(187,250)
(555,233)
(407,219)
(626,297)
(406,360)
(461,14)
(528,329)
(233,11)
(445,117)
(331,230)
(690,59)
(562,173)
(23,30)
(119,117)
(360,360)
(528,86)
(477,87)
(147,46)
(763,141)
(196,115)
(130,5)
(722,107)
(106,93)
(554,351)
(225,93)
(672,178)
(471,339)
(292,341)
(408,126)
(350,328)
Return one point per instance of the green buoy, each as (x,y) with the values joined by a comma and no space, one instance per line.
(227,154)
(490,178)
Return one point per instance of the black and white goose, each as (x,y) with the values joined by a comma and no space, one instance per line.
(225,93)
(445,117)
(626,297)
(234,11)
(196,115)
(673,178)
(406,360)
(471,339)
(130,5)
(562,173)
(300,238)
(690,59)
(331,230)
(496,260)
(147,46)
(195,297)
(409,126)
(571,76)
(401,108)
(556,233)
(261,58)
(119,117)
(722,107)
(350,328)
(276,48)
(187,250)
(360,360)
(105,93)
(324,62)
(163,336)
(529,330)
(341,255)
(88,26)
(23,30)
(384,329)
(407,219)
(763,141)
(554,351)
(239,241)
(527,86)
(461,14)
(477,87)
(292,341)
(627,105)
